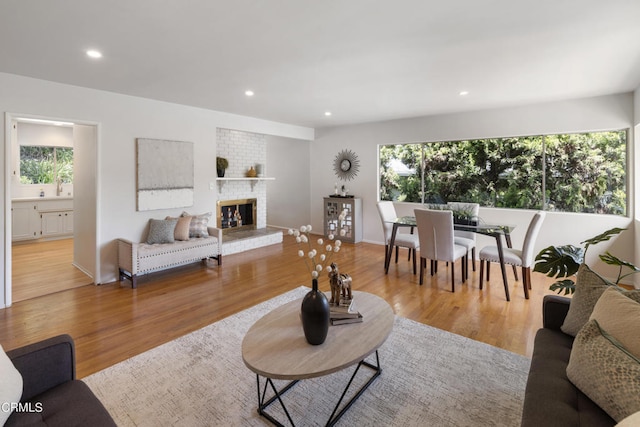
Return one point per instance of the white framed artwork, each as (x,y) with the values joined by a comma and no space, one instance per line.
(165,174)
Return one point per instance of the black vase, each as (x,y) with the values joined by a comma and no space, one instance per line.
(220,173)
(315,315)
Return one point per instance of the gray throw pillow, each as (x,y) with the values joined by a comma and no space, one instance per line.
(161,231)
(589,287)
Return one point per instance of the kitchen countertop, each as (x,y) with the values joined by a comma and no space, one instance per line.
(35,199)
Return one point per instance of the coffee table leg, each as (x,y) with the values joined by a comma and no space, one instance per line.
(262,405)
(377,371)
(333,419)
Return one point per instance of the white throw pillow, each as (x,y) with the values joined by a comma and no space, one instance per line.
(10,386)
(632,420)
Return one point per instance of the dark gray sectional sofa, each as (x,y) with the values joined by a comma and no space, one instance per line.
(48,370)
(550,398)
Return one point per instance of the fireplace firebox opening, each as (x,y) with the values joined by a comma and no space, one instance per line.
(234,215)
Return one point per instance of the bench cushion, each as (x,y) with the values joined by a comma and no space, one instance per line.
(166,255)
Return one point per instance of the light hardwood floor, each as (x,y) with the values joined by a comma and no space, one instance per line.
(34,264)
(113,322)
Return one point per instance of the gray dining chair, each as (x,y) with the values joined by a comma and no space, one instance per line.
(467,238)
(435,232)
(516,257)
(403,240)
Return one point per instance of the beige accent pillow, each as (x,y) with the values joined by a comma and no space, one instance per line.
(589,288)
(182,227)
(631,421)
(620,317)
(10,386)
(605,371)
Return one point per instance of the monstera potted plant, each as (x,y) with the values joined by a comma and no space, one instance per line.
(221,165)
(563,261)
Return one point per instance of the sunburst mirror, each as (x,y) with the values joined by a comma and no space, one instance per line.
(346,165)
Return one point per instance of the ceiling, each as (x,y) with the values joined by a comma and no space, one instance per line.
(362,60)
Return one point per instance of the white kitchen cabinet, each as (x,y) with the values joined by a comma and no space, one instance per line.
(42,218)
(54,224)
(67,225)
(25,221)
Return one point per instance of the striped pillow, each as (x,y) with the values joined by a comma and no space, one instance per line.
(198,226)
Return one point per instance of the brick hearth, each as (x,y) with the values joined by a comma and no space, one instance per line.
(244,240)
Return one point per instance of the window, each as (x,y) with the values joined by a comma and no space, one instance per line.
(45,165)
(568,172)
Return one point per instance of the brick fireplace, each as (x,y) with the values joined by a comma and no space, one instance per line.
(247,229)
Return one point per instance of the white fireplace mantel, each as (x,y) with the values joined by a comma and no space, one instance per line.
(252,180)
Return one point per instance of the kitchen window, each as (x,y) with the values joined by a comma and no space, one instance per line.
(46,165)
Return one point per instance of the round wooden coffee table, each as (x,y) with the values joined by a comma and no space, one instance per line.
(275,348)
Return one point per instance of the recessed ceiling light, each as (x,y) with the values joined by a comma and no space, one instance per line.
(464,93)
(248,92)
(91,53)
(327,113)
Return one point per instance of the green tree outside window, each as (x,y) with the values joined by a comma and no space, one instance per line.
(567,173)
(45,165)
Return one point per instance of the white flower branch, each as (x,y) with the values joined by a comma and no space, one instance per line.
(316,260)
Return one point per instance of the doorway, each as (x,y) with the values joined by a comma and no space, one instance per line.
(71,260)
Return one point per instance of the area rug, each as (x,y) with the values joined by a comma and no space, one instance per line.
(430,377)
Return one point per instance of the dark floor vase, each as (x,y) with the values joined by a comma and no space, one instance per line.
(315,315)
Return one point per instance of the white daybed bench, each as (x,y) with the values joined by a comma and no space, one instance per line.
(135,259)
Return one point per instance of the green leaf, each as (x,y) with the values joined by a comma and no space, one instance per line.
(567,286)
(559,261)
(602,237)
(613,260)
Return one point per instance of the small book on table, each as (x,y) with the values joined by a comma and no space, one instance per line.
(347,320)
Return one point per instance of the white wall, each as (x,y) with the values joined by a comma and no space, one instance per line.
(85,198)
(288,200)
(590,114)
(636,181)
(45,135)
(122,119)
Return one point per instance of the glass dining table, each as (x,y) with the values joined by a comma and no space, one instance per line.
(492,230)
